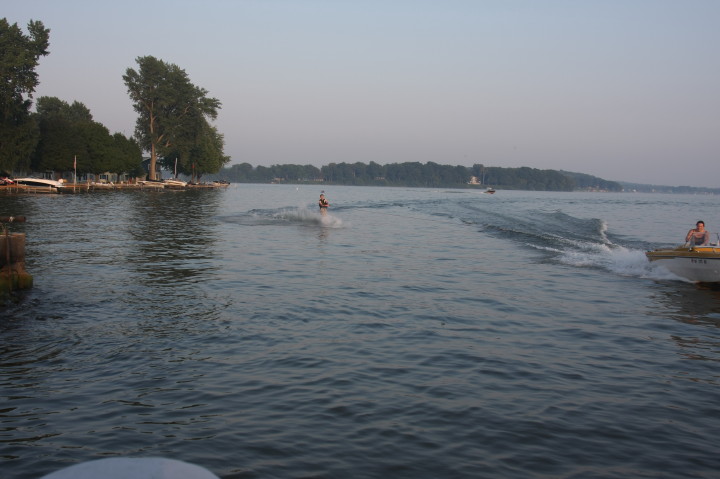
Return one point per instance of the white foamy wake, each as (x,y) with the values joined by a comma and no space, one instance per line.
(331,221)
(310,217)
(617,259)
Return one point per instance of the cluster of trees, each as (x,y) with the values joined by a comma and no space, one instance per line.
(173,118)
(246,173)
(417,174)
(67,132)
(525,178)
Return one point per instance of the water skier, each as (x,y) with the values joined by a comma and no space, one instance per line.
(323,204)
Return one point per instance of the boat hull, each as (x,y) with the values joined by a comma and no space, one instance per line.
(175,184)
(700,264)
(151,184)
(39,185)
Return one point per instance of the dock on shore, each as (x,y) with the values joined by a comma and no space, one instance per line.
(88,187)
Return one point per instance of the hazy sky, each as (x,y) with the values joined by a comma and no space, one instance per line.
(621,89)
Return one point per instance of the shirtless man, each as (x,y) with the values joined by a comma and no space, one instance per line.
(698,236)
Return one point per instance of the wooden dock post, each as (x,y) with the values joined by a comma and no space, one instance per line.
(12,259)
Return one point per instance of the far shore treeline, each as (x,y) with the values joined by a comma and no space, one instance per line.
(434,175)
(430,174)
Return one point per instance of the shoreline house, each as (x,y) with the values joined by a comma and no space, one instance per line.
(146,168)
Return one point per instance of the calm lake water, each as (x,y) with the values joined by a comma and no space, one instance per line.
(412,333)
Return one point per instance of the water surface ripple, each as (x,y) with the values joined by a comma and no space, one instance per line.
(413,333)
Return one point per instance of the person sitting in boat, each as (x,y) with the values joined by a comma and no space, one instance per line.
(698,236)
(323,204)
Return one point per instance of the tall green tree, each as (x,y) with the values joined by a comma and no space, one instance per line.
(19,56)
(171,109)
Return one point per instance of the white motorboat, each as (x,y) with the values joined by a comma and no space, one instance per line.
(40,185)
(174,183)
(99,185)
(151,184)
(700,264)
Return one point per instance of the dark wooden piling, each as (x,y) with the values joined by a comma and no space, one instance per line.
(12,258)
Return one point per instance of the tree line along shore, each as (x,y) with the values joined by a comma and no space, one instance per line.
(415,174)
(434,175)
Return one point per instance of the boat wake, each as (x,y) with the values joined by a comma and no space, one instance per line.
(588,246)
(569,240)
(301,216)
(616,259)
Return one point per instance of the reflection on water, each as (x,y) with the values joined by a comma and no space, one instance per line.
(19,205)
(698,306)
(174,234)
(175,254)
(149,250)
(691,303)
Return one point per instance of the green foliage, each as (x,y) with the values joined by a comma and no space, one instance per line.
(67,132)
(245,173)
(52,107)
(172,113)
(587,182)
(525,178)
(19,55)
(17,141)
(199,153)
(58,143)
(125,156)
